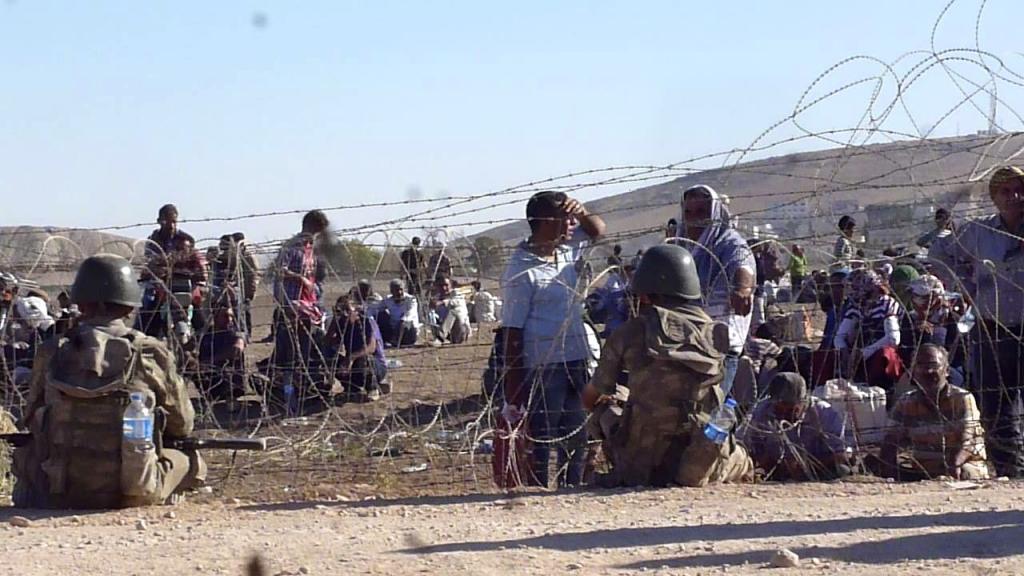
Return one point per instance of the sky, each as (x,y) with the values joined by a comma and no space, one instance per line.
(228,108)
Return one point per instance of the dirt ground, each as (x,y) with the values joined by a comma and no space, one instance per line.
(402,486)
(841,528)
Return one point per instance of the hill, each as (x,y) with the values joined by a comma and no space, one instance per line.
(892,189)
(36,250)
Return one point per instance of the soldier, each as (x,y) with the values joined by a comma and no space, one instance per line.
(674,353)
(80,389)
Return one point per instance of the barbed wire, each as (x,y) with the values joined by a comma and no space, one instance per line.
(437,413)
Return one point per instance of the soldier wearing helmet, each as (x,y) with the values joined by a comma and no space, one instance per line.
(80,389)
(674,354)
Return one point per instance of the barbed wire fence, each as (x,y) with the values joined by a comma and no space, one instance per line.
(434,432)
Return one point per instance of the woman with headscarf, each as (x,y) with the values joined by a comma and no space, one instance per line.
(869,336)
(725,265)
(929,319)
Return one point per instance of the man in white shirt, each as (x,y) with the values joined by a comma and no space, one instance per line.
(451,314)
(483,304)
(399,317)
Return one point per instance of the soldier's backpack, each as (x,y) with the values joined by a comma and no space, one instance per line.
(77,458)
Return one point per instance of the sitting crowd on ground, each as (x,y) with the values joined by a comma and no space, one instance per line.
(704,375)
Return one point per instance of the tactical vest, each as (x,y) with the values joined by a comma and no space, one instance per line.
(671,397)
(77,458)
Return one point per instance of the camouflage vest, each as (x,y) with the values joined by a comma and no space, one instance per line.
(672,393)
(77,459)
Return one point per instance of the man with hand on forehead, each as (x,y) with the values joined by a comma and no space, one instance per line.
(546,347)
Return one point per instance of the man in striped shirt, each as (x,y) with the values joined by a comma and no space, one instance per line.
(938,423)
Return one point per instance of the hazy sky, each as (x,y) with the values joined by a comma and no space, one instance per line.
(110,109)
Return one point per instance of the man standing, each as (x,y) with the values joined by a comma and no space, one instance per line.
(80,387)
(943,229)
(300,270)
(673,352)
(844,253)
(170,256)
(797,271)
(725,265)
(545,345)
(247,272)
(440,265)
(412,263)
(988,256)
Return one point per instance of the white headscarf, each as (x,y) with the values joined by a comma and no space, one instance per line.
(719,220)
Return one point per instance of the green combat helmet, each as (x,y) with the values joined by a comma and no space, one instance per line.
(667,270)
(107,279)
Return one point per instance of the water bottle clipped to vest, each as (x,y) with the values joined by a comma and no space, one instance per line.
(140,475)
(138,424)
(723,419)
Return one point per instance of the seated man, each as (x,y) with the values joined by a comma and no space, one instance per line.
(794,436)
(358,349)
(80,386)
(450,314)
(937,424)
(399,318)
(483,304)
(222,356)
(371,302)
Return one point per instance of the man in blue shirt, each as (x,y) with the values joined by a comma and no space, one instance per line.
(546,346)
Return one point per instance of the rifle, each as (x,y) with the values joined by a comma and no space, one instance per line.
(20,439)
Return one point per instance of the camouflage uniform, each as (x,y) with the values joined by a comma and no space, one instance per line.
(78,394)
(674,361)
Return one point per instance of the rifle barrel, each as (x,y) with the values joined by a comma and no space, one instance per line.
(19,439)
(255,444)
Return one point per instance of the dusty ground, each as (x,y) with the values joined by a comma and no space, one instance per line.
(835,528)
(400,487)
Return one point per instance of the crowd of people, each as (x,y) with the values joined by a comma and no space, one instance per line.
(699,379)
(927,341)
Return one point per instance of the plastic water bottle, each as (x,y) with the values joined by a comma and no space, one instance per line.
(722,421)
(966,322)
(138,423)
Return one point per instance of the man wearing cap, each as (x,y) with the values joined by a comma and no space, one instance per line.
(546,348)
(900,279)
(79,393)
(988,256)
(794,436)
(399,318)
(674,354)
